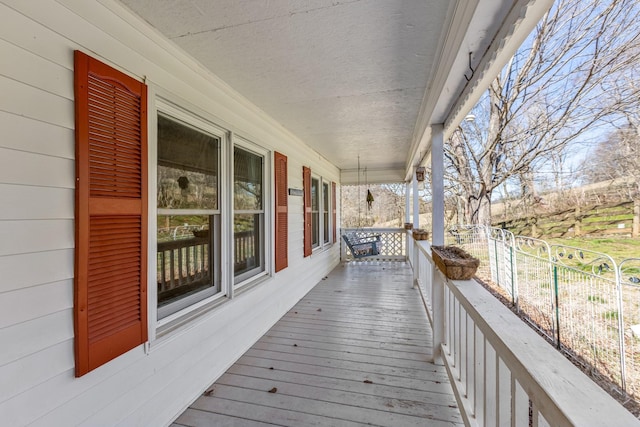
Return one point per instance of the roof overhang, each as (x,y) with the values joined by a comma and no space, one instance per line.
(469,61)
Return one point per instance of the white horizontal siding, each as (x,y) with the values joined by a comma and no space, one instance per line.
(31,269)
(35,335)
(40,40)
(36,368)
(25,134)
(24,100)
(28,202)
(20,167)
(20,237)
(37,384)
(31,303)
(44,75)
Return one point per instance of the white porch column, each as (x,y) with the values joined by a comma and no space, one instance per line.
(437,221)
(437,184)
(407,201)
(416,202)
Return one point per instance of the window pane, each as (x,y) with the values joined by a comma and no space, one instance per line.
(187,167)
(185,261)
(315,212)
(247,169)
(247,239)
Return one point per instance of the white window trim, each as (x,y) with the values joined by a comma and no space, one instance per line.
(194,117)
(318,246)
(322,245)
(251,277)
(326,227)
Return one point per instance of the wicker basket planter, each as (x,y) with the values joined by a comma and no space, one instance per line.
(454,262)
(420,234)
(408,226)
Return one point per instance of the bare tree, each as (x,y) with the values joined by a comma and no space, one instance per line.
(387,208)
(618,156)
(571,76)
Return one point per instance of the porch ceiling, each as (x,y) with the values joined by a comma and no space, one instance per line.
(350,78)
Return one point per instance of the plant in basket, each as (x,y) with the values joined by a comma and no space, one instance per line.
(420,234)
(454,262)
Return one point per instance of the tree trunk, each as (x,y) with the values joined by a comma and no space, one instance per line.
(479,209)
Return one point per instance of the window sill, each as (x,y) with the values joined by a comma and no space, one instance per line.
(167,330)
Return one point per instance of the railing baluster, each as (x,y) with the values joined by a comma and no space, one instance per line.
(470,357)
(490,402)
(172,263)
(521,404)
(189,266)
(163,270)
(503,378)
(479,378)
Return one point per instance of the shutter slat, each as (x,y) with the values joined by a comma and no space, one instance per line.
(123,301)
(102,305)
(108,326)
(106,143)
(104,124)
(104,284)
(113,98)
(110,312)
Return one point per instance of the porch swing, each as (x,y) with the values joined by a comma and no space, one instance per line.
(363,246)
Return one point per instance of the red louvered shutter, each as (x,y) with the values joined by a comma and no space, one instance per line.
(333,210)
(110,294)
(282,212)
(306,185)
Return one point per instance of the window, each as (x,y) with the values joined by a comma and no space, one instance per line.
(317,205)
(248,217)
(325,211)
(189,222)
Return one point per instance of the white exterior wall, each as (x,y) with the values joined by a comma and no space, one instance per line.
(37,383)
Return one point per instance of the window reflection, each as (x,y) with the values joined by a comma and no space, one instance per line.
(248,220)
(187,180)
(187,167)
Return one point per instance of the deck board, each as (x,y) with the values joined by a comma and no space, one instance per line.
(353,352)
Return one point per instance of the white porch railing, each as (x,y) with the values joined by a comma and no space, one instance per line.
(503,373)
(393,243)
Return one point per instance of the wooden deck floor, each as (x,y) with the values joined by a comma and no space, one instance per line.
(353,352)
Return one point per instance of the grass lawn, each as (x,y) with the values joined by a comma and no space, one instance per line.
(617,248)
